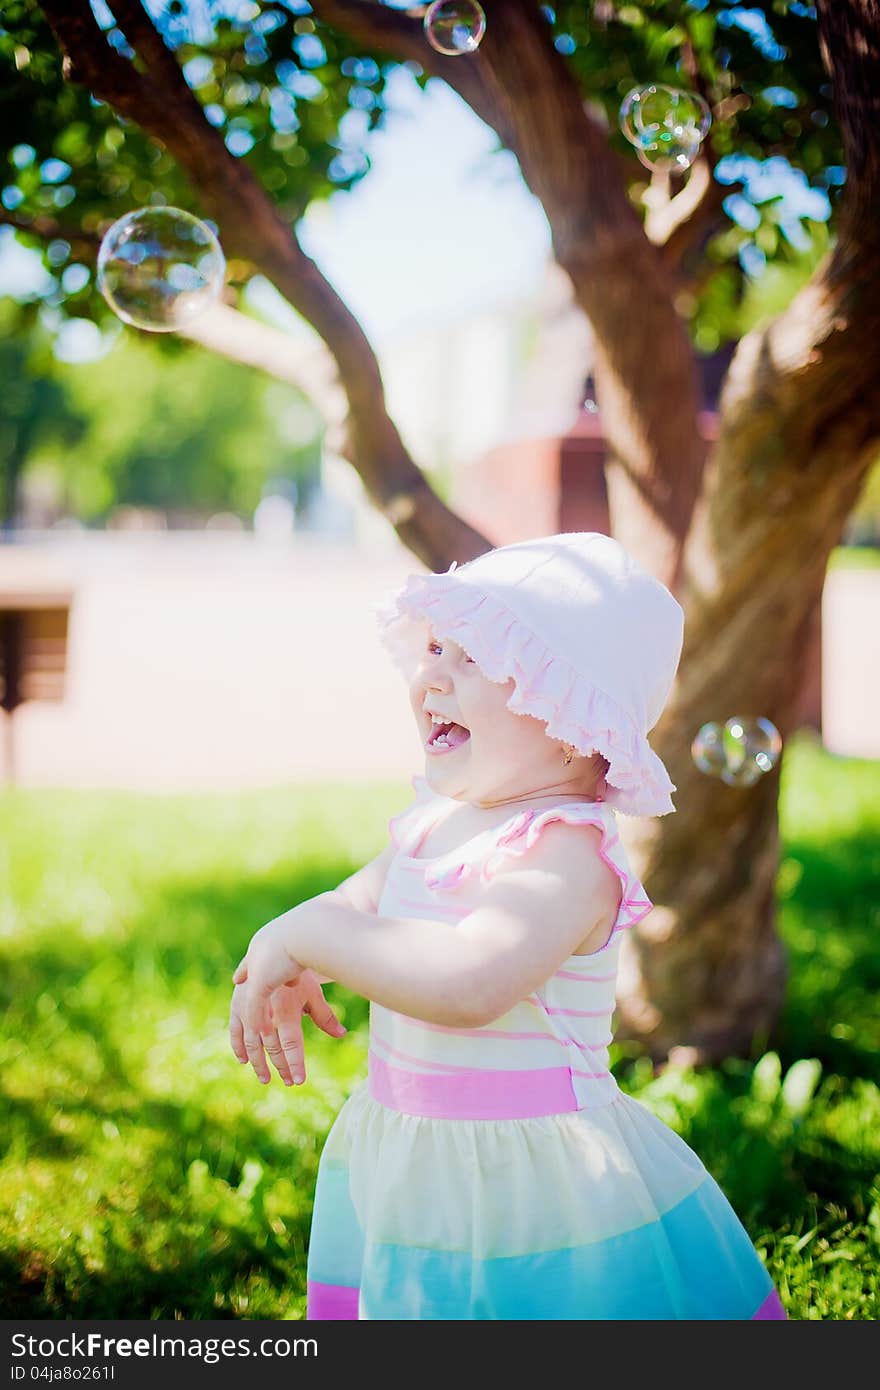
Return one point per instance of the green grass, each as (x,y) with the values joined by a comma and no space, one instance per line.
(855,557)
(147,1175)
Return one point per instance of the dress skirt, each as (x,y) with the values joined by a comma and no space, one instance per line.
(587,1214)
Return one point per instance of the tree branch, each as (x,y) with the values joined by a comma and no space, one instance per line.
(681,224)
(306,365)
(401,35)
(90,61)
(163,69)
(849,42)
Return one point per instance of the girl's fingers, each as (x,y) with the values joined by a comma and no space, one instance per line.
(240,973)
(321,1013)
(236,1037)
(276,1056)
(254,1047)
(290,1037)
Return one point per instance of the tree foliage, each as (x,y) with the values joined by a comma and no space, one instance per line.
(204,434)
(297,100)
(131,427)
(37,411)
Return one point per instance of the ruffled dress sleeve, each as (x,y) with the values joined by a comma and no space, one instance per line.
(479,860)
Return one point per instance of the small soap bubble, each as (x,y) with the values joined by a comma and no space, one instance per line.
(159,268)
(753,747)
(739,752)
(659,107)
(739,770)
(591,406)
(454,27)
(666,125)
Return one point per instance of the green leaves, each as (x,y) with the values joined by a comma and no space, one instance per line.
(293,98)
(788,1098)
(799,1085)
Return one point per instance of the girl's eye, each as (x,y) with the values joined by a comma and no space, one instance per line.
(467,658)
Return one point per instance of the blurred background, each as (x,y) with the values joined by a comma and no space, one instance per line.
(194,563)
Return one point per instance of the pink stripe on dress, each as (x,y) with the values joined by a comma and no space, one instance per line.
(470,1094)
(770,1308)
(330,1302)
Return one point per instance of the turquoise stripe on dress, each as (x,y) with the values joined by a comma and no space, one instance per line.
(695,1262)
(335,1246)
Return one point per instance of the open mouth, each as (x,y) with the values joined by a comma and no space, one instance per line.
(444,737)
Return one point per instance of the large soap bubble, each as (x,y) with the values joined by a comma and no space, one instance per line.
(739,752)
(159,268)
(455,26)
(666,125)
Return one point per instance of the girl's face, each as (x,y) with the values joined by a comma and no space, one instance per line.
(507,756)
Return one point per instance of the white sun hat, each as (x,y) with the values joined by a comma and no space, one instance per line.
(590,639)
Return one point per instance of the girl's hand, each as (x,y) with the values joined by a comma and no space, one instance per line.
(267,965)
(284,1044)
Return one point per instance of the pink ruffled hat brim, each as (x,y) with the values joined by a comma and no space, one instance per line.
(574,710)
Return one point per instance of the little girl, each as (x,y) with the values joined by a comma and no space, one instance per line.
(489,1167)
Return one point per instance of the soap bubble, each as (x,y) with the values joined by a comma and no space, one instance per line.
(455,26)
(753,747)
(666,125)
(739,752)
(652,109)
(159,268)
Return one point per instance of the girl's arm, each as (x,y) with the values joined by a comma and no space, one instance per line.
(363,889)
(534,913)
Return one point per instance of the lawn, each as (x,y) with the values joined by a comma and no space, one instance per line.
(145,1174)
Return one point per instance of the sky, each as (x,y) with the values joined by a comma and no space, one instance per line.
(439,225)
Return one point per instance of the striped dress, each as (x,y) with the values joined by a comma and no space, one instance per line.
(499,1172)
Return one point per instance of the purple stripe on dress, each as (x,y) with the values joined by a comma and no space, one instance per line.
(770,1308)
(474,1095)
(330,1302)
